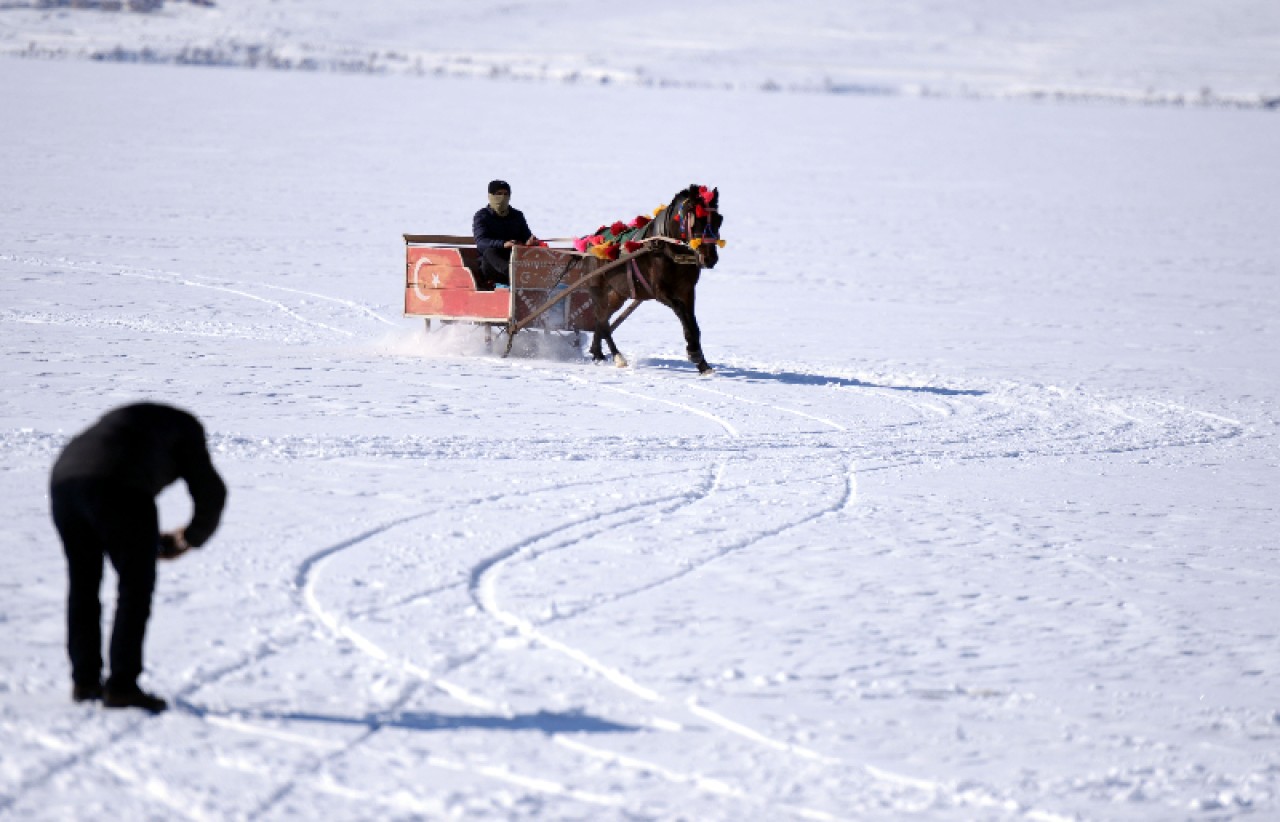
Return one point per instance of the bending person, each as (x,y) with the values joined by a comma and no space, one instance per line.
(102,489)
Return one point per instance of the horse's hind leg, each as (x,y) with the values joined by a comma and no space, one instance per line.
(601,315)
(602,332)
(597,351)
(597,354)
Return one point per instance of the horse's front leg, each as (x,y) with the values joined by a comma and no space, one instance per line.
(692,335)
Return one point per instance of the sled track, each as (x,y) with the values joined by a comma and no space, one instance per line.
(483,584)
(480,581)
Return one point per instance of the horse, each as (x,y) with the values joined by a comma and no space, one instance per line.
(681,240)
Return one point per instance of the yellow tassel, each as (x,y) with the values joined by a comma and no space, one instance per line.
(658,210)
(600,251)
(720,243)
(694,243)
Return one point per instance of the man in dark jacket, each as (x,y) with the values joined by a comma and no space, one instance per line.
(103,490)
(498,228)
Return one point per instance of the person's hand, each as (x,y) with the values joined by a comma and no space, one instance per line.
(532,241)
(509,244)
(173,545)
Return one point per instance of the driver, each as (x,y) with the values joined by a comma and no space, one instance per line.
(498,228)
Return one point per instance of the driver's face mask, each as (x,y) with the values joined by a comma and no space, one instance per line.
(500,203)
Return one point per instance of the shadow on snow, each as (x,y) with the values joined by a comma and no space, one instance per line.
(794,378)
(547,722)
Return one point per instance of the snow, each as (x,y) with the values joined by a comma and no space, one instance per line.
(975,520)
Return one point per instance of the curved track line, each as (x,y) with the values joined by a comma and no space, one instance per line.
(733,432)
(289,785)
(349,303)
(847,500)
(352,304)
(244,727)
(484,580)
(154,789)
(80,757)
(141,271)
(498,773)
(705,784)
(304,581)
(181,280)
(697,709)
(829,423)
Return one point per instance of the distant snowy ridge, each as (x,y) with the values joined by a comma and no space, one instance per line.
(234,54)
(139,6)
(1133,51)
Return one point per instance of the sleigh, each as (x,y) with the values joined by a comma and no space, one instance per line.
(444,284)
(557,289)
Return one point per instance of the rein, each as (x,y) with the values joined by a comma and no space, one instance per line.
(636,274)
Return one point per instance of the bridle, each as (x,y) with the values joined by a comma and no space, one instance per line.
(681,220)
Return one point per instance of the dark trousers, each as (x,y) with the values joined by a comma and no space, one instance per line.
(95,519)
(495,264)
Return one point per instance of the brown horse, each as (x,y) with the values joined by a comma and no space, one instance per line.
(666,271)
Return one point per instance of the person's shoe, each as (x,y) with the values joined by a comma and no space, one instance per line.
(86,693)
(133,697)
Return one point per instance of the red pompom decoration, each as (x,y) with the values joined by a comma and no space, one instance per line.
(705,193)
(618,227)
(640,222)
(699,212)
(630,247)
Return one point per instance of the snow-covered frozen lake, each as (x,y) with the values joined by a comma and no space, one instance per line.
(975,520)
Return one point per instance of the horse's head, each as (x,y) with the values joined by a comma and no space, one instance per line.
(697,212)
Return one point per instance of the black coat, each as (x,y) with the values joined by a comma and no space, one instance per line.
(492,231)
(147,447)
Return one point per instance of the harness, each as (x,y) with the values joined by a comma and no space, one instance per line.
(634,273)
(674,224)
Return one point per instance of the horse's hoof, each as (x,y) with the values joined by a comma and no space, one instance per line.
(620,361)
(705,370)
